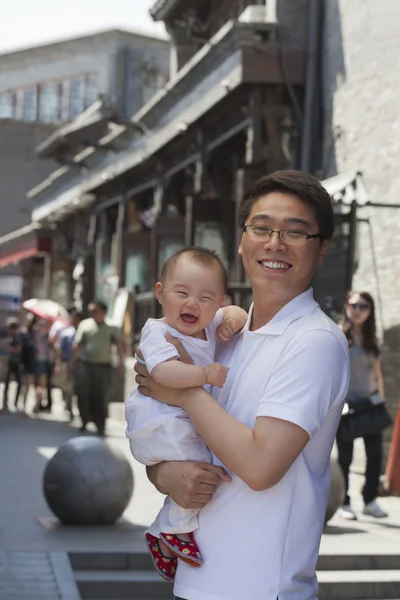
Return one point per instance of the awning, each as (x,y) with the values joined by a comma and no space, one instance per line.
(24,243)
(85,131)
(347,188)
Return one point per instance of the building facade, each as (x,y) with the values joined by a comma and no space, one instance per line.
(42,88)
(362,133)
(255,86)
(55,83)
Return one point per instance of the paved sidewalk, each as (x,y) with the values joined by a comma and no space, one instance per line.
(27,443)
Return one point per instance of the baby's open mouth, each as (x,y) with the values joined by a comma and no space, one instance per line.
(190,319)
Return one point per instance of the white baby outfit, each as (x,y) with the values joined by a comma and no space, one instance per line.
(159,432)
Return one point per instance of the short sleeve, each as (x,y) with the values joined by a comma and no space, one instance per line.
(309,381)
(116,334)
(79,335)
(154,346)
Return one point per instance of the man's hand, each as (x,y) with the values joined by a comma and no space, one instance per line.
(189,484)
(148,387)
(216,374)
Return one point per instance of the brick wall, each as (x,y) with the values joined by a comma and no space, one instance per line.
(362,93)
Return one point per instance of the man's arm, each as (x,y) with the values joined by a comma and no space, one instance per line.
(76,350)
(121,356)
(190,484)
(296,402)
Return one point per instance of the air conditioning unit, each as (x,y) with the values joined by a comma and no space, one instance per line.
(255,13)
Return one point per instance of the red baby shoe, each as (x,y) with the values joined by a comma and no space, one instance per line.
(186,551)
(164,565)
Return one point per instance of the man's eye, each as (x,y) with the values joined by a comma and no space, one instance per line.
(260,230)
(295,233)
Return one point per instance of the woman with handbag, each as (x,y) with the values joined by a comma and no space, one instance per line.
(364,414)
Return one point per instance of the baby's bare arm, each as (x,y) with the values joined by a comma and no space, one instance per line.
(175,374)
(236,314)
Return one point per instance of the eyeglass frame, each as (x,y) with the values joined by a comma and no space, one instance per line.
(308,236)
(361,306)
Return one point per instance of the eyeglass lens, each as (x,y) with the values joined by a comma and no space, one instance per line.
(358,306)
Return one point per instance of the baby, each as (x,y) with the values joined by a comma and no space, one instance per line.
(191,291)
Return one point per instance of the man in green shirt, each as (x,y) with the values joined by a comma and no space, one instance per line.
(93,345)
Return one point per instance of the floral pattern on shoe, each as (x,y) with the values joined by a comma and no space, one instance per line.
(164,565)
(186,551)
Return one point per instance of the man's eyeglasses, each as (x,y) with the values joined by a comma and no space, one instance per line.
(358,306)
(290,237)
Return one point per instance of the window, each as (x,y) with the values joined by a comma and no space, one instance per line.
(7,106)
(76,98)
(92,93)
(29,105)
(50,103)
(152,82)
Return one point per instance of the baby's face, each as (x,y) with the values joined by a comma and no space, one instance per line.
(191,295)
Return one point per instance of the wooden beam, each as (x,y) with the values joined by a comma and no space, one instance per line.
(265,66)
(189,206)
(254,145)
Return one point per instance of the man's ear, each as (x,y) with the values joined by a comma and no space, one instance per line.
(159,290)
(322,252)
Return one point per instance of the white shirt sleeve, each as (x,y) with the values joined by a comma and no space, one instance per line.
(309,381)
(154,346)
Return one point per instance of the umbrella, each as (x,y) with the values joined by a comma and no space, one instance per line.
(46,309)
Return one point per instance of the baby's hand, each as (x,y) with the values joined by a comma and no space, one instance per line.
(216,374)
(227,329)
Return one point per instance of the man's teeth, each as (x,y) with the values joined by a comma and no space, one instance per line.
(274,265)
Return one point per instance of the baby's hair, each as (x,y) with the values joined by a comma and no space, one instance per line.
(201,255)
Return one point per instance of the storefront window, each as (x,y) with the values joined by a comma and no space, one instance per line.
(137,271)
(214,237)
(60,287)
(167,247)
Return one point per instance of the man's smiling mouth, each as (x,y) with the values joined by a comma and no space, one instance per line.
(275,265)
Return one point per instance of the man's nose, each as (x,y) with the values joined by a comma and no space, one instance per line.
(274,243)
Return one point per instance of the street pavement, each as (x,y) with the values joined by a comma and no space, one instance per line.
(32,542)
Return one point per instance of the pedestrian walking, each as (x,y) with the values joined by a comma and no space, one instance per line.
(93,346)
(42,352)
(272,426)
(63,378)
(14,361)
(28,357)
(366,391)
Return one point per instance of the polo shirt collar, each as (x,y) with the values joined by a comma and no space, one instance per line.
(296,308)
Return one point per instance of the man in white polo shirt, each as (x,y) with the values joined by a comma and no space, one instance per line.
(273,424)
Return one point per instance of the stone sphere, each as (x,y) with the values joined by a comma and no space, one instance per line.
(87,482)
(336,492)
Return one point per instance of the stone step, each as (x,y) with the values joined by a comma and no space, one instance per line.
(112,561)
(124,585)
(358,562)
(359,585)
(141,561)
